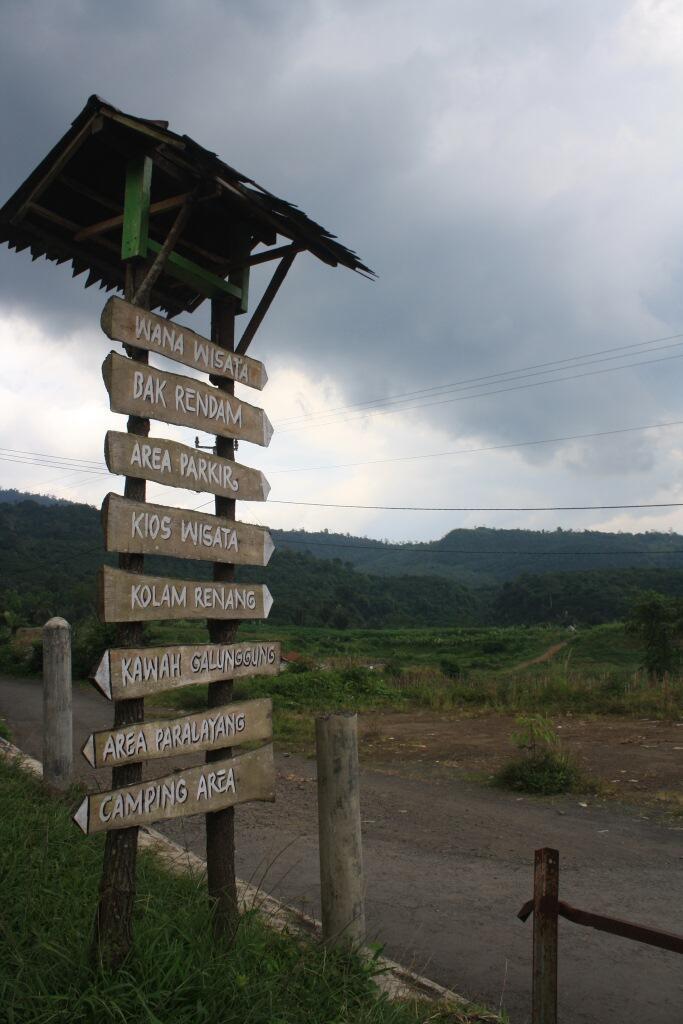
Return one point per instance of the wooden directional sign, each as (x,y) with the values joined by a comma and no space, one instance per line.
(127,597)
(139,390)
(123,673)
(226,726)
(210,787)
(176,465)
(134,527)
(121,321)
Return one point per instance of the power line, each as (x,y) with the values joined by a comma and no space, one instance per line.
(432,508)
(484,394)
(427,549)
(476,451)
(559,363)
(47,455)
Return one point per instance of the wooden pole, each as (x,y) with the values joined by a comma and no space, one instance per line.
(341,853)
(57,721)
(113,935)
(546,898)
(220,825)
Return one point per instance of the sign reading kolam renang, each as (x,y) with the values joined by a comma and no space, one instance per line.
(177,465)
(210,787)
(122,321)
(139,390)
(225,726)
(124,673)
(136,527)
(129,597)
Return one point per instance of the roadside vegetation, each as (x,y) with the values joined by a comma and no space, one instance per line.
(177,974)
(541,766)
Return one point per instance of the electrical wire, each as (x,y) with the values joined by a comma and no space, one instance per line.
(501,377)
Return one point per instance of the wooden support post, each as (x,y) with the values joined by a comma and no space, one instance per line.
(220,825)
(113,923)
(546,897)
(341,853)
(136,208)
(57,721)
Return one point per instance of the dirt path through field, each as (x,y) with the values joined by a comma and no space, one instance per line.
(546,656)
(449,864)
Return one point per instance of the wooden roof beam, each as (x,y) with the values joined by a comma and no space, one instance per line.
(115,222)
(264,305)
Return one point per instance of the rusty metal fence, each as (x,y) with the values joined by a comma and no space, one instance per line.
(548,908)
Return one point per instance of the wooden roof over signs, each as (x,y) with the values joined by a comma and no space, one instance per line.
(71,207)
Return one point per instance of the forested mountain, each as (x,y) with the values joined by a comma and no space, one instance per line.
(50,553)
(486,556)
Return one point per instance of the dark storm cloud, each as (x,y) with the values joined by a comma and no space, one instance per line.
(508,169)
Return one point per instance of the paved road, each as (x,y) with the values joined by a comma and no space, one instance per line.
(448,865)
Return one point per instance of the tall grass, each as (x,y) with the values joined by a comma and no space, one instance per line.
(177,974)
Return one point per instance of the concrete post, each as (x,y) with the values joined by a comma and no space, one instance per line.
(341,853)
(57,723)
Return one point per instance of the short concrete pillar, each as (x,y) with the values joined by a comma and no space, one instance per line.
(342,887)
(57,721)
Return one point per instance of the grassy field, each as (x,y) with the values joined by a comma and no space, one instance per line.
(595,672)
(178,974)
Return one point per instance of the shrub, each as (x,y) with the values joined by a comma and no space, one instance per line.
(545,773)
(543,767)
(449,666)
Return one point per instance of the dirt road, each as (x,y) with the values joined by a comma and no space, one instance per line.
(448,865)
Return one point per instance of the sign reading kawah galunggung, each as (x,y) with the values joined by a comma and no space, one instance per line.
(153,214)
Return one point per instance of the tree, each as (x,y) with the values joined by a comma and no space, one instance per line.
(658,623)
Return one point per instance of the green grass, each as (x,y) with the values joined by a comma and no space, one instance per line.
(544,774)
(487,648)
(177,974)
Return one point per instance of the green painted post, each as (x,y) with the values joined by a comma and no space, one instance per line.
(136,208)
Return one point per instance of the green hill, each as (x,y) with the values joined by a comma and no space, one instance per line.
(51,552)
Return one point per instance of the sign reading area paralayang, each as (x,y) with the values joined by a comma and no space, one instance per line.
(225,726)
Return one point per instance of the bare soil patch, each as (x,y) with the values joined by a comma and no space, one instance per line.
(628,758)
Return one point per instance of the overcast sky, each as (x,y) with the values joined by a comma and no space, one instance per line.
(513,171)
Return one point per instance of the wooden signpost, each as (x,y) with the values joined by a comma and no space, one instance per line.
(231,725)
(171,398)
(171,225)
(208,788)
(137,527)
(130,597)
(131,673)
(176,465)
(122,321)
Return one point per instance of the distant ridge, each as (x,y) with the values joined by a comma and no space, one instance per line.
(11,496)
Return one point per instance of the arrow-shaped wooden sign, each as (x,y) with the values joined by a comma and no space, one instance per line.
(226,726)
(140,390)
(122,321)
(177,465)
(128,597)
(126,672)
(134,527)
(210,787)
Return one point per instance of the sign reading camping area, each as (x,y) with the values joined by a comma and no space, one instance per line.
(129,597)
(225,726)
(123,674)
(176,465)
(210,787)
(139,390)
(122,321)
(140,528)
